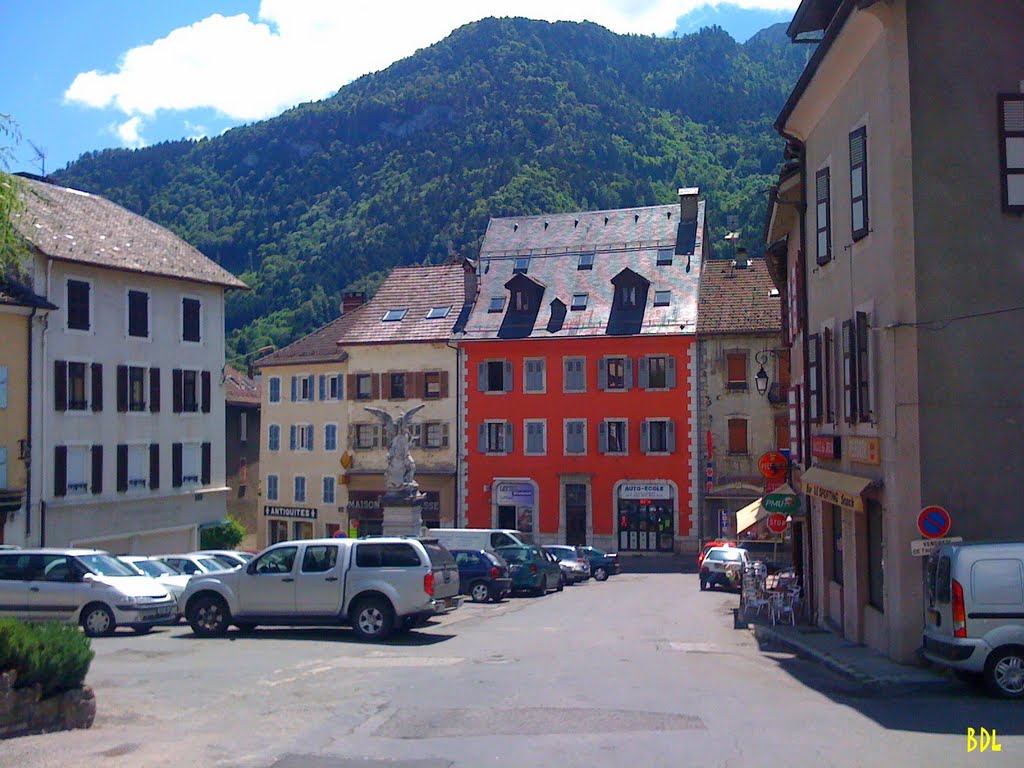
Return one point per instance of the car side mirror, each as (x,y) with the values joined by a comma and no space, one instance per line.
(251,567)
(88,578)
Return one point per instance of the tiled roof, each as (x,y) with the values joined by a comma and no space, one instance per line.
(239,389)
(14,293)
(737,300)
(629,238)
(76,226)
(417,290)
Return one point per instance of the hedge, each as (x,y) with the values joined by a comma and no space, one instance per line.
(56,656)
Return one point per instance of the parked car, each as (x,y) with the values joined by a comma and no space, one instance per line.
(602,564)
(975,617)
(169,578)
(376,586)
(575,566)
(478,538)
(532,570)
(231,557)
(723,566)
(483,574)
(193,564)
(84,586)
(711,545)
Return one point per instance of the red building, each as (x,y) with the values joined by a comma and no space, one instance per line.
(579,390)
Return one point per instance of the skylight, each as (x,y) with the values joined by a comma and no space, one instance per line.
(393,315)
(662,298)
(437,313)
(579,300)
(665,257)
(497,304)
(586,261)
(522,265)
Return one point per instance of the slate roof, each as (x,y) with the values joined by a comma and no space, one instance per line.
(628,238)
(414,289)
(239,389)
(71,225)
(737,301)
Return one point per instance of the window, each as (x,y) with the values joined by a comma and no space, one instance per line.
(859,183)
(586,261)
(521,266)
(657,372)
(331,387)
(187,396)
(662,298)
(863,368)
(79,308)
(535,438)
(736,371)
(533,377)
(393,315)
(782,431)
(627,296)
(495,376)
(738,437)
(575,376)
(823,212)
(320,559)
(243,426)
(386,556)
(299,489)
(280,560)
(191,315)
(328,490)
(189,391)
(814,375)
(432,384)
(3,386)
(274,437)
(271,487)
(575,437)
(438,313)
(275,389)
(434,434)
(78,469)
(1011,150)
(397,382)
(366,436)
(190,463)
(132,467)
(876,571)
(277,530)
(302,389)
(138,314)
(364,386)
(330,437)
(497,304)
(665,257)
(301,437)
(615,373)
(849,342)
(614,436)
(495,437)
(579,301)
(658,436)
(78,399)
(521,301)
(136,388)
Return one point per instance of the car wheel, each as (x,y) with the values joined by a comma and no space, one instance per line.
(561,583)
(209,616)
(480,592)
(703,585)
(98,620)
(373,619)
(1004,673)
(601,573)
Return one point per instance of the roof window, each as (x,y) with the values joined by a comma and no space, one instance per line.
(579,300)
(497,304)
(665,257)
(521,266)
(393,315)
(438,313)
(586,261)
(662,298)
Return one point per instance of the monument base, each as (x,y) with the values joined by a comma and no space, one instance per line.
(402,515)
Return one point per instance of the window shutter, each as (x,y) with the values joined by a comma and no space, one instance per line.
(386,386)
(849,372)
(323,387)
(828,411)
(122,388)
(311,435)
(508,437)
(3,386)
(311,386)
(863,368)
(154,466)
(444,435)
(206,451)
(670,371)
(737,436)
(375,386)
(508,376)
(60,470)
(376,435)
(644,375)
(97,469)
(625,436)
(823,215)
(602,437)
(97,386)
(60,385)
(176,388)
(122,468)
(1011,151)
(206,391)
(292,437)
(351,385)
(859,183)
(814,377)
(154,390)
(295,388)
(670,435)
(628,365)
(645,437)
(176,465)
(481,376)
(602,374)
(481,442)
(444,384)
(351,436)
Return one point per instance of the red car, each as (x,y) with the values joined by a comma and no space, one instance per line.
(709,545)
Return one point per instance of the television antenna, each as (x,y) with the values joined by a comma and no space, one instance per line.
(40,157)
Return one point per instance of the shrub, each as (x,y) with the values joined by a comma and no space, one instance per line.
(226,535)
(57,656)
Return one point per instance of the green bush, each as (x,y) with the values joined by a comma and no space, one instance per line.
(57,656)
(226,535)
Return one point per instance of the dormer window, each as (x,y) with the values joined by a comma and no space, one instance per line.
(628,295)
(662,298)
(586,261)
(438,313)
(497,304)
(393,315)
(521,265)
(579,301)
(665,257)
(522,301)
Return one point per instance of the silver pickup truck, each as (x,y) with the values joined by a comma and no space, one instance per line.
(377,586)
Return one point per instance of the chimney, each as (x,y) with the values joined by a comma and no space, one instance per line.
(688,203)
(741,258)
(350,300)
(469,280)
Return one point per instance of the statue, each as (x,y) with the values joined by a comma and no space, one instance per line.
(399,478)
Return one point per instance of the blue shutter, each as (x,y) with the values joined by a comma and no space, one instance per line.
(295,388)
(670,436)
(312,440)
(482,438)
(628,362)
(645,438)
(602,437)
(602,374)
(508,437)
(323,387)
(3,386)
(644,376)
(292,437)
(311,383)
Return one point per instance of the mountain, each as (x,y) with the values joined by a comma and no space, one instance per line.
(740,23)
(406,165)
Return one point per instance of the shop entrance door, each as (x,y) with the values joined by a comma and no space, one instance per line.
(646,525)
(576,514)
(507,517)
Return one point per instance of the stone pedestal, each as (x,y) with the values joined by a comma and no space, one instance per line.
(402,514)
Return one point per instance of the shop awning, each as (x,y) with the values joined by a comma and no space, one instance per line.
(750,515)
(836,487)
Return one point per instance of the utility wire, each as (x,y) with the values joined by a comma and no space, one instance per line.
(941,325)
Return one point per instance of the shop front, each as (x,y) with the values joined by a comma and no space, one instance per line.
(514,504)
(646,513)
(289,523)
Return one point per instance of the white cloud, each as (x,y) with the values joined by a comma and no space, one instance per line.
(129,132)
(303,50)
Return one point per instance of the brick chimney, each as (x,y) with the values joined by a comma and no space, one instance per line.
(688,203)
(351,300)
(469,280)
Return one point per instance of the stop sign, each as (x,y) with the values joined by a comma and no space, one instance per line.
(777,523)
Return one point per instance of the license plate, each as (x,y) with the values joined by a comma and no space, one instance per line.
(448,602)
(147,615)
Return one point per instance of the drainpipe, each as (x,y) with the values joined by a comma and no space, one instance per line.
(457,437)
(701,447)
(42,420)
(28,434)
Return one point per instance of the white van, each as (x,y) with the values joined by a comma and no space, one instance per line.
(975,617)
(477,538)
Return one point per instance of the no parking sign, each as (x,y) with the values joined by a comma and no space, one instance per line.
(934,522)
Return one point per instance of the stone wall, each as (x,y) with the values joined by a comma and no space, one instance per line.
(23,713)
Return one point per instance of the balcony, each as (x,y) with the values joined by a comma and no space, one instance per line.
(11,499)
(778,394)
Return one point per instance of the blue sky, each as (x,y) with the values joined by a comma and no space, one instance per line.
(87,75)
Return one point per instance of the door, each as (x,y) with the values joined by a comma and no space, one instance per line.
(13,585)
(54,591)
(507,517)
(318,585)
(270,586)
(576,514)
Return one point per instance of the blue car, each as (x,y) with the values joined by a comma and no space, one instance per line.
(483,574)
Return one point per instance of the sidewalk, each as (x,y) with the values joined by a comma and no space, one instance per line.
(857,662)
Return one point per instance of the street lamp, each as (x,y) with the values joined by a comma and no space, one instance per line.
(761,377)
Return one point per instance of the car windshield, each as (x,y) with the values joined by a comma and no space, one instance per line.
(496,559)
(439,556)
(516,554)
(155,568)
(106,565)
(225,561)
(211,564)
(729,555)
(596,551)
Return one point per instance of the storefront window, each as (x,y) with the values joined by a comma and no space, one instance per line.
(876,571)
(302,529)
(646,517)
(837,544)
(277,530)
(366,518)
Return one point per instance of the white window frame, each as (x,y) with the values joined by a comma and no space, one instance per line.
(187,450)
(543,376)
(325,429)
(544,437)
(425,428)
(339,379)
(68,410)
(149,314)
(329,481)
(565,437)
(273,487)
(270,389)
(270,437)
(653,420)
(84,453)
(92,306)
(358,428)
(368,378)
(303,437)
(297,497)
(181,319)
(140,453)
(565,374)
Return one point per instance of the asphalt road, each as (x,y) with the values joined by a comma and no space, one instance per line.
(641,671)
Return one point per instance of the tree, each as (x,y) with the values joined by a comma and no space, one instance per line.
(13,249)
(226,535)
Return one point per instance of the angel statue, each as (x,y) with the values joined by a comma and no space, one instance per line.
(401,470)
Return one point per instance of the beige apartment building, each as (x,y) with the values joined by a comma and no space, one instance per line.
(323,454)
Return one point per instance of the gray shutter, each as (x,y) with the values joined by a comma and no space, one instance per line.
(292,439)
(481,376)
(444,435)
(122,468)
(97,386)
(644,375)
(311,379)
(295,388)
(645,438)
(97,469)
(670,435)
(376,436)
(206,461)
(154,466)
(482,438)
(122,388)
(602,374)
(323,387)
(628,365)
(508,437)
(508,376)
(312,437)
(154,390)
(60,470)
(670,371)
(60,386)
(206,391)
(176,465)
(602,437)
(625,436)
